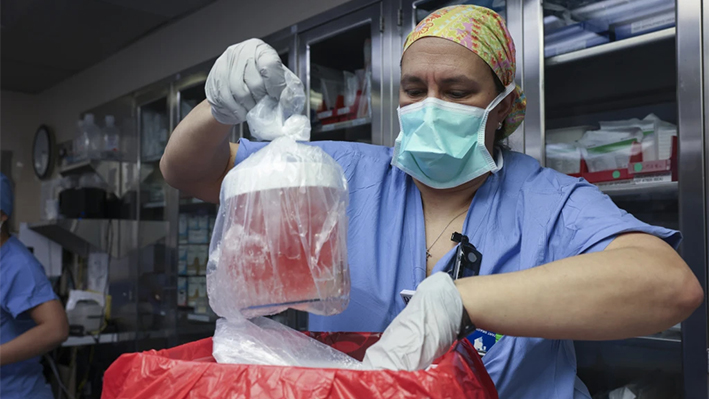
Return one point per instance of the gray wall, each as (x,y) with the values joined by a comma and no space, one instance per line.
(19,119)
(183,44)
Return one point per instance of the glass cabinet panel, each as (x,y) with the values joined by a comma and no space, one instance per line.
(423,8)
(341,79)
(610,116)
(153,308)
(571,25)
(194,223)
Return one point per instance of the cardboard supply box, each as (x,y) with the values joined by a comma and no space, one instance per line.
(182,260)
(182,291)
(202,258)
(183,228)
(198,229)
(192,260)
(193,289)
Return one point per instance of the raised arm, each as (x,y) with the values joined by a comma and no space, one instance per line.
(199,154)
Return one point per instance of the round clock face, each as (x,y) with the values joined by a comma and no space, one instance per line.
(41,152)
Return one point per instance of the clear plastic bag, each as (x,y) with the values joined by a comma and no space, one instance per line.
(267,342)
(271,119)
(280,236)
(279,241)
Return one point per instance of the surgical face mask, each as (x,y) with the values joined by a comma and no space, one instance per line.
(442,144)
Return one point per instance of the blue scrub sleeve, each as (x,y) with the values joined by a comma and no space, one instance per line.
(589,221)
(23,286)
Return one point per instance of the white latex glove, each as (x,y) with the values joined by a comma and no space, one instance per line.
(423,331)
(240,77)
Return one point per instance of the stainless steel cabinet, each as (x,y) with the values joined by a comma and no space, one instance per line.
(340,63)
(614,93)
(154,310)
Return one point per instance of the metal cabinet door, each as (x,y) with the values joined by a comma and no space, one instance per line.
(333,41)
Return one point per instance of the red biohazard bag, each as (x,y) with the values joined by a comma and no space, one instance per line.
(190,372)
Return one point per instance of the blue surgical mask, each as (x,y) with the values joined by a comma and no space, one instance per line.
(442,144)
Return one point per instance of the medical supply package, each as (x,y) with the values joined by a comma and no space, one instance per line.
(191,372)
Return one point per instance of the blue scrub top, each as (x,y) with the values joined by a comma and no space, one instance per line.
(23,285)
(521,217)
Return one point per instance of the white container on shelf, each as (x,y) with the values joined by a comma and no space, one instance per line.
(81,143)
(564,158)
(111,139)
(92,133)
(567,135)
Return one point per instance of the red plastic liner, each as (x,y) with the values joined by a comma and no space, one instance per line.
(190,371)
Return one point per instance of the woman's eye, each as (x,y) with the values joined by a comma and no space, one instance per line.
(414,92)
(457,94)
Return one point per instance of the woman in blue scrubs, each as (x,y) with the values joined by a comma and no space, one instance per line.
(32,320)
(560,262)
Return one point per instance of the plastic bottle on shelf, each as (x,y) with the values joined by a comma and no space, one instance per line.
(93,134)
(111,139)
(81,143)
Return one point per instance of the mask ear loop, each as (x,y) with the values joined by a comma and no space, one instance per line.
(508,90)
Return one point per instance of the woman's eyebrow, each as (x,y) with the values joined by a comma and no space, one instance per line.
(411,79)
(459,79)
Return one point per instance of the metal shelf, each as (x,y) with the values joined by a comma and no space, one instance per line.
(80,235)
(612,47)
(156,204)
(202,318)
(111,172)
(638,188)
(342,125)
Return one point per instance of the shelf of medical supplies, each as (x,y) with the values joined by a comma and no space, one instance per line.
(80,235)
(155,204)
(620,45)
(342,125)
(639,187)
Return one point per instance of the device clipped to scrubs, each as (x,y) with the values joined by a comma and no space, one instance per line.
(467,259)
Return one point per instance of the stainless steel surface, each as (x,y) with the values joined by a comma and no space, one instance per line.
(629,189)
(533,79)
(515,24)
(390,55)
(612,46)
(369,15)
(114,237)
(692,186)
(333,14)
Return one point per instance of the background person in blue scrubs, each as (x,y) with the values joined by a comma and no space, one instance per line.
(32,320)
(560,261)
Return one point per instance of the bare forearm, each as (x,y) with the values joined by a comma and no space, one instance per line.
(198,154)
(612,294)
(37,341)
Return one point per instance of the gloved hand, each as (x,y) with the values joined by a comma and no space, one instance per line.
(240,77)
(423,331)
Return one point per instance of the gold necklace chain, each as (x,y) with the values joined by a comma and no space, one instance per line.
(428,253)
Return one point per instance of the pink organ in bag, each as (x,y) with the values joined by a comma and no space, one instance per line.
(280,237)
